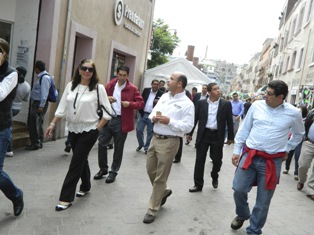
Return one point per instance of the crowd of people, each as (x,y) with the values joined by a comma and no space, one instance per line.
(264,133)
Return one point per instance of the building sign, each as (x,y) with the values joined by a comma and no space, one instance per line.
(134,24)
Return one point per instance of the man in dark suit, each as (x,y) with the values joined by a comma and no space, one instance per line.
(150,96)
(210,133)
(200,95)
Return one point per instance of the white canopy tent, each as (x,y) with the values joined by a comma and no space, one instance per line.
(162,72)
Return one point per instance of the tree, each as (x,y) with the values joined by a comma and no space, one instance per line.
(163,44)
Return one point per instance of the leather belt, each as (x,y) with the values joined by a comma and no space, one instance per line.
(211,130)
(147,113)
(309,140)
(235,115)
(164,136)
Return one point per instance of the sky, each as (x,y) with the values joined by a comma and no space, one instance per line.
(231,30)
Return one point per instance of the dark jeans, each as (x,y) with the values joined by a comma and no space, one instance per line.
(81,143)
(6,184)
(296,152)
(209,139)
(36,120)
(113,129)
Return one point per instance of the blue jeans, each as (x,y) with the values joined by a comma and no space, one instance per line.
(141,123)
(6,184)
(243,183)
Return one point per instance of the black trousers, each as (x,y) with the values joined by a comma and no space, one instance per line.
(209,139)
(179,153)
(82,144)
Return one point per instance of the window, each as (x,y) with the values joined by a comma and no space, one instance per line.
(293,28)
(293,60)
(287,64)
(300,19)
(300,58)
(309,11)
(5,31)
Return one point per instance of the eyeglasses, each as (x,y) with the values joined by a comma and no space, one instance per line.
(87,69)
(269,93)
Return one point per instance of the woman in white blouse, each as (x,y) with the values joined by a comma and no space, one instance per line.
(79,106)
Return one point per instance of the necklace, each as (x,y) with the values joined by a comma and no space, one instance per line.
(77,98)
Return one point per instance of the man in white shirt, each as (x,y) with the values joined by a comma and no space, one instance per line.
(173,116)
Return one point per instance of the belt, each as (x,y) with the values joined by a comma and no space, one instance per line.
(147,113)
(117,116)
(235,115)
(164,136)
(210,130)
(309,140)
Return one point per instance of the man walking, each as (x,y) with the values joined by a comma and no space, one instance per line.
(237,111)
(150,96)
(306,156)
(8,87)
(173,116)
(263,135)
(39,106)
(212,114)
(124,97)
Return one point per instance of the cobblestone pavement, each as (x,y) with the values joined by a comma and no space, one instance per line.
(119,208)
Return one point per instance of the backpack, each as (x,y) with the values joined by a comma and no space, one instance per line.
(53,93)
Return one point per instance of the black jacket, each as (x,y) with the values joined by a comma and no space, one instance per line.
(145,95)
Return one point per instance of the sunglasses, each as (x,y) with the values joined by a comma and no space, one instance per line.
(87,69)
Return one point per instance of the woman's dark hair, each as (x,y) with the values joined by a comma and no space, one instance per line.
(279,87)
(77,77)
(22,71)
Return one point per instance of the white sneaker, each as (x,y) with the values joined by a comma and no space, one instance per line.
(9,154)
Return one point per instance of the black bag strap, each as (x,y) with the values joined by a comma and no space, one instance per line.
(103,107)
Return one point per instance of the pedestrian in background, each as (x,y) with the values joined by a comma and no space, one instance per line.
(151,96)
(79,106)
(173,116)
(237,111)
(263,135)
(8,87)
(39,106)
(22,95)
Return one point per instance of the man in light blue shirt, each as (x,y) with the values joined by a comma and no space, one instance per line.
(264,136)
(39,106)
(237,111)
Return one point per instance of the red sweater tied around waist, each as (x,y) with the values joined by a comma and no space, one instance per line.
(270,164)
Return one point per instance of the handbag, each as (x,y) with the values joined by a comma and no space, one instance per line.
(100,108)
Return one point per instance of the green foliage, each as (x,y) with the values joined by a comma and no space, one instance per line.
(164,43)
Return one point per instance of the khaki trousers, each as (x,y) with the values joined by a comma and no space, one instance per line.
(305,160)
(160,155)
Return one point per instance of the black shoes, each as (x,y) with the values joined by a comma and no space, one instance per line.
(300,186)
(110,146)
(237,223)
(67,148)
(18,206)
(195,189)
(111,178)
(32,147)
(176,161)
(215,183)
(148,219)
(138,148)
(164,199)
(100,174)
